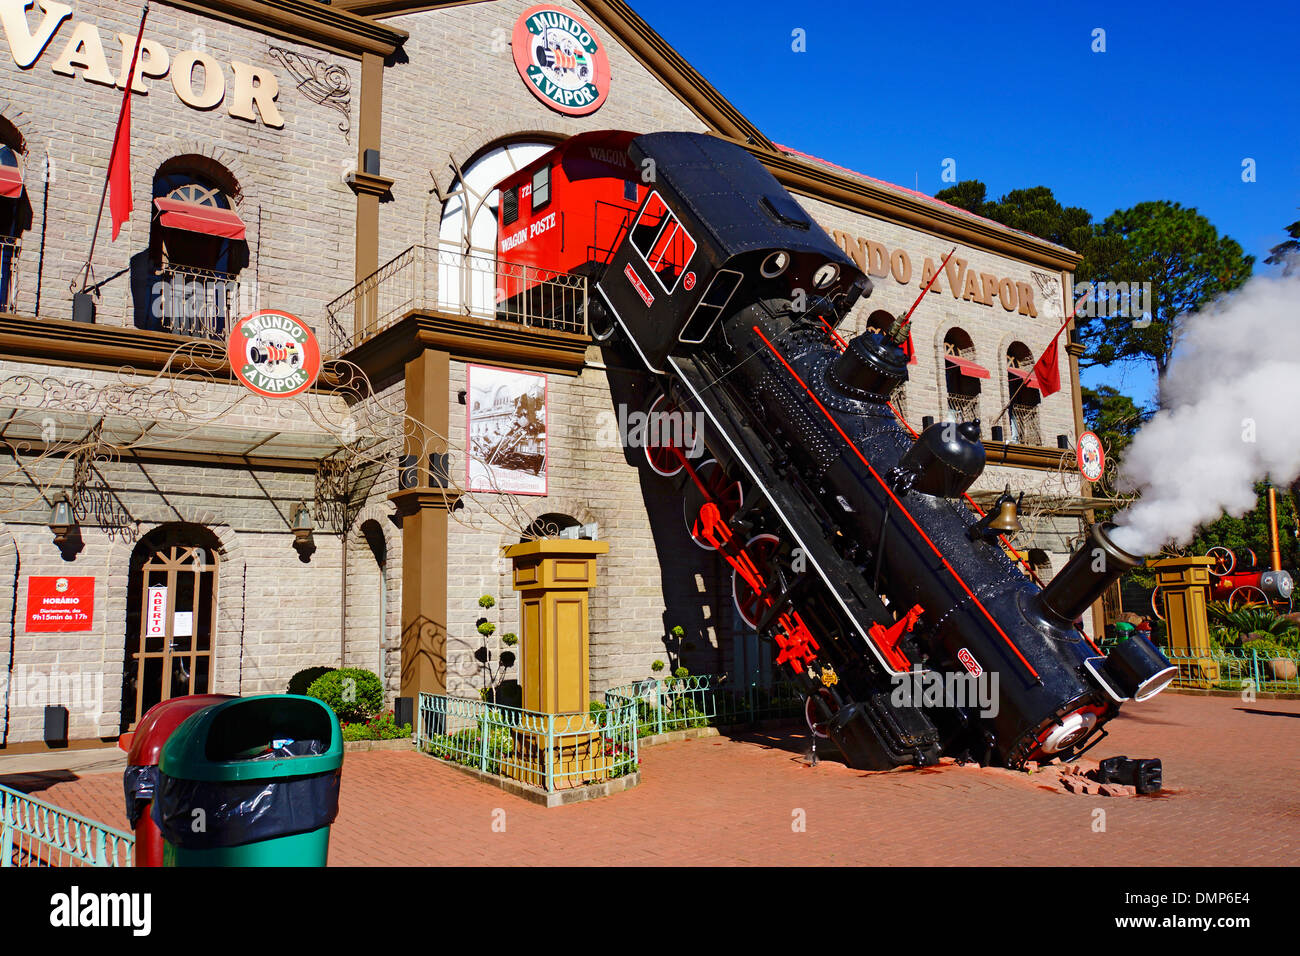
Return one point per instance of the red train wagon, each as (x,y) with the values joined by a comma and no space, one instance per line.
(565,212)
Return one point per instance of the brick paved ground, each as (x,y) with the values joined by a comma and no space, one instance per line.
(1230,771)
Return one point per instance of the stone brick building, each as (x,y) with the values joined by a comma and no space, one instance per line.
(347,154)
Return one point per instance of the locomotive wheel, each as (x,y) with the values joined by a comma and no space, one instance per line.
(665,458)
(762,550)
(721,489)
(810,714)
(1157,604)
(1224,560)
(1242,596)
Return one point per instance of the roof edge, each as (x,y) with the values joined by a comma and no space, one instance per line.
(322,25)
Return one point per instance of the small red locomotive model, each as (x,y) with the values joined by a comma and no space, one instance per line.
(851,545)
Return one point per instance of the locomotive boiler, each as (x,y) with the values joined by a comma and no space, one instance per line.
(851,545)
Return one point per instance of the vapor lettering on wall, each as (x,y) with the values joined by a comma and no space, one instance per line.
(198,79)
(878,261)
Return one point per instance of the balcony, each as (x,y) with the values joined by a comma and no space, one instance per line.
(963,408)
(1024,424)
(198,303)
(9,249)
(444,280)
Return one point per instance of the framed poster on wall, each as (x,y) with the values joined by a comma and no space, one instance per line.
(505,430)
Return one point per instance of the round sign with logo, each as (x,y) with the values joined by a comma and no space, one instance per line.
(560,60)
(274,353)
(1092,458)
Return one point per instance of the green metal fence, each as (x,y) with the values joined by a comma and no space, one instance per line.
(551,751)
(36,833)
(678,703)
(1238,669)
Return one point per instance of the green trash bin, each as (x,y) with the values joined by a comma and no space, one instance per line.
(252,781)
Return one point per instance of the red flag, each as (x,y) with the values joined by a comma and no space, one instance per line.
(909,349)
(1046,376)
(119,161)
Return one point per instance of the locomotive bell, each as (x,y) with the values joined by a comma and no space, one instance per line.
(1002,518)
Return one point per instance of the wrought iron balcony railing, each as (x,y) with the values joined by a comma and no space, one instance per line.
(199,303)
(1024,425)
(447,279)
(9,249)
(964,408)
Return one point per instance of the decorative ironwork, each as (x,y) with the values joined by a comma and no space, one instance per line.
(325,84)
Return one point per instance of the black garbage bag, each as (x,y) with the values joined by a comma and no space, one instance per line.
(239,812)
(139,783)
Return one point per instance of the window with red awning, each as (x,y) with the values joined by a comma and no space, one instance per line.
(967,367)
(11,182)
(192,217)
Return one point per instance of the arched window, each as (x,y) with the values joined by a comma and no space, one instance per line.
(187,281)
(962,375)
(15,212)
(1022,390)
(467,233)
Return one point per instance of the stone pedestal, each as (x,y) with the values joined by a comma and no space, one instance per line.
(554,578)
(1185,584)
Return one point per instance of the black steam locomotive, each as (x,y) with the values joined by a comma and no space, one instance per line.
(849,542)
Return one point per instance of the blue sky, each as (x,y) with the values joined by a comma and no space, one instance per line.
(1014,93)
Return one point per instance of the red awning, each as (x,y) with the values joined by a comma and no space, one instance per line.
(11,182)
(1031,380)
(967,367)
(195,218)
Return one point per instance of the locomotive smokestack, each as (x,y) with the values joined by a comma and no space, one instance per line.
(1088,573)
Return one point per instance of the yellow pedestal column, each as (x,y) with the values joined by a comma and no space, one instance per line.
(554,578)
(1185,585)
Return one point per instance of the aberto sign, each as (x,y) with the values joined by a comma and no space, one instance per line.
(560,60)
(274,353)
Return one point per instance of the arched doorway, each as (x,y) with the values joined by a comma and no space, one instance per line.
(170,618)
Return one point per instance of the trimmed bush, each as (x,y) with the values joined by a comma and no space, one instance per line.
(352,693)
(301,681)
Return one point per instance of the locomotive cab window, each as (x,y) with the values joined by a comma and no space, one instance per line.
(541,187)
(665,246)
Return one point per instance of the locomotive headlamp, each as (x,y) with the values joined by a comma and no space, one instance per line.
(1003,517)
(825,276)
(303,540)
(774,265)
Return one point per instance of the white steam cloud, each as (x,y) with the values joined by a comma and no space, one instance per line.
(1230,416)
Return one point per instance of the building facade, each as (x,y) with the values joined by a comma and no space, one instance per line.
(338,162)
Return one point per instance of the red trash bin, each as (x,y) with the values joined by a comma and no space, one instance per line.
(141,776)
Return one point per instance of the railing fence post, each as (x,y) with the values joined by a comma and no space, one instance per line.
(550,752)
(484,724)
(6,832)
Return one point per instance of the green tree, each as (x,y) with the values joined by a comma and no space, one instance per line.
(1036,210)
(1113,416)
(1251,531)
(1186,261)
(1287,254)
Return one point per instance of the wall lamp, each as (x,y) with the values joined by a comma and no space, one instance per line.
(303,540)
(67,532)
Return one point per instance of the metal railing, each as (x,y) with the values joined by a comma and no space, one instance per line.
(550,751)
(445,278)
(1024,425)
(680,703)
(964,408)
(1238,669)
(36,833)
(196,302)
(9,249)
